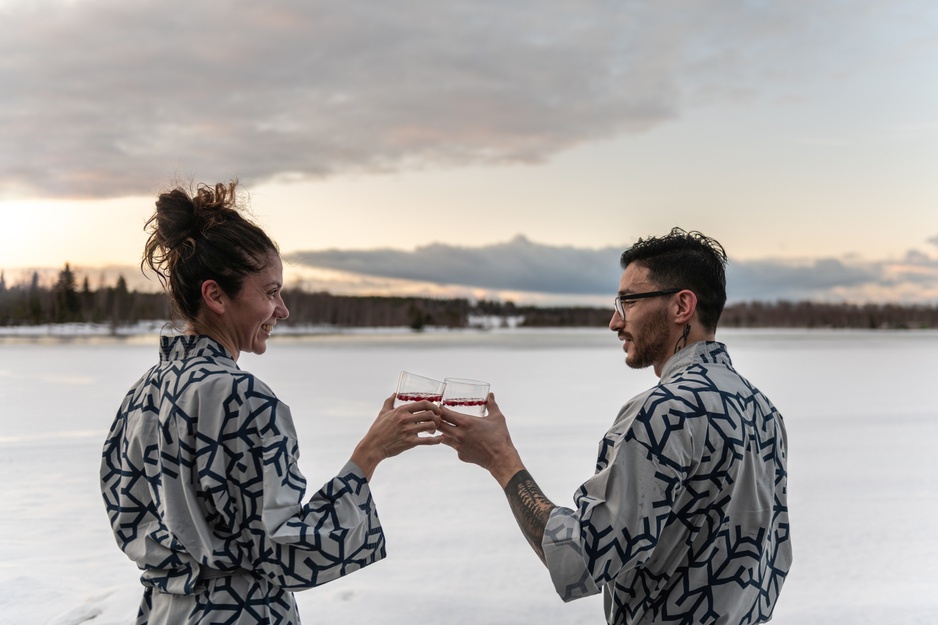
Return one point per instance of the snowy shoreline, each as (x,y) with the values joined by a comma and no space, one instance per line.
(162,326)
(476,326)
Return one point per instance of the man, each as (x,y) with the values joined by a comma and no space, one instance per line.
(686,518)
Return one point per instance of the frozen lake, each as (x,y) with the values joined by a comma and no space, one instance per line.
(861,410)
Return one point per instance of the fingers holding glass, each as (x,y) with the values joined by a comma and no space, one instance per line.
(417,388)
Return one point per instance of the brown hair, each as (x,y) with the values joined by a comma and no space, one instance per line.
(685,260)
(199,237)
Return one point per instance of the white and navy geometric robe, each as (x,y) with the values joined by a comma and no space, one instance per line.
(686,518)
(200,480)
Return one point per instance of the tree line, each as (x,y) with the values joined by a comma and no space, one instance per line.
(806,314)
(781,314)
(67,302)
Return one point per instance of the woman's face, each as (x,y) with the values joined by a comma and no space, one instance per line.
(257,308)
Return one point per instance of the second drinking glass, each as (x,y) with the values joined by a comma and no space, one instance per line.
(465,396)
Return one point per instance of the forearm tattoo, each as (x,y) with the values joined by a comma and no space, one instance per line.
(530,507)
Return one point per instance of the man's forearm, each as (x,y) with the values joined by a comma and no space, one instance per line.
(530,507)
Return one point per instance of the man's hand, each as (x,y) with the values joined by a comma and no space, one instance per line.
(483,441)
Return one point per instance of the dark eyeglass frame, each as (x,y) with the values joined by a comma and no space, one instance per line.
(621,299)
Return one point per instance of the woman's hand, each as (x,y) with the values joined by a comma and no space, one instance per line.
(397,430)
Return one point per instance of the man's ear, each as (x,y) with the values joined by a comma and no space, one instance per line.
(686,306)
(214,297)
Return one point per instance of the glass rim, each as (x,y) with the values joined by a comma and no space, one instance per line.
(465,381)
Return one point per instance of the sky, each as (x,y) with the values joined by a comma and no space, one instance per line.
(505,150)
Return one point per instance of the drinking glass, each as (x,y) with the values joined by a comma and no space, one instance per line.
(413,387)
(465,396)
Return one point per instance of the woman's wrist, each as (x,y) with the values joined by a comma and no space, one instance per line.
(367,458)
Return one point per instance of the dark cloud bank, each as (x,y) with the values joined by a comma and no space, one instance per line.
(522,265)
(102,98)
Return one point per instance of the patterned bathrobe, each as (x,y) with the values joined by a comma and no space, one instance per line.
(200,480)
(686,518)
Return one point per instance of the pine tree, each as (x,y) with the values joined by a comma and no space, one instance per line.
(67,303)
(34,301)
(87,301)
(6,305)
(120,302)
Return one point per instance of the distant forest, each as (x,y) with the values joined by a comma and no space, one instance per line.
(68,302)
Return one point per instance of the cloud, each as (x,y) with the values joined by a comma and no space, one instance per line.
(522,266)
(518,265)
(104,98)
(772,280)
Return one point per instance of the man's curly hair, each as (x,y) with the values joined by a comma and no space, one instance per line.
(685,260)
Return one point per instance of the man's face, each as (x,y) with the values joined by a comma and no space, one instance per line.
(646,329)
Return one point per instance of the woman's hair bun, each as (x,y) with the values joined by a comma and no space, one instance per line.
(202,236)
(181,220)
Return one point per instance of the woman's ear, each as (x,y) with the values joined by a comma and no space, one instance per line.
(686,306)
(214,297)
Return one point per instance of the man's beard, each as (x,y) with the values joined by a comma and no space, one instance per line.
(650,344)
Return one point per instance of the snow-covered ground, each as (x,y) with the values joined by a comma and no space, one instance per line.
(860,407)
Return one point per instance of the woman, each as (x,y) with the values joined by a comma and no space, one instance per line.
(199,472)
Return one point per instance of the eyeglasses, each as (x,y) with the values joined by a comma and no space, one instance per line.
(621,299)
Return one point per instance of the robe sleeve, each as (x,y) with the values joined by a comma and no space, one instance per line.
(252,496)
(334,533)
